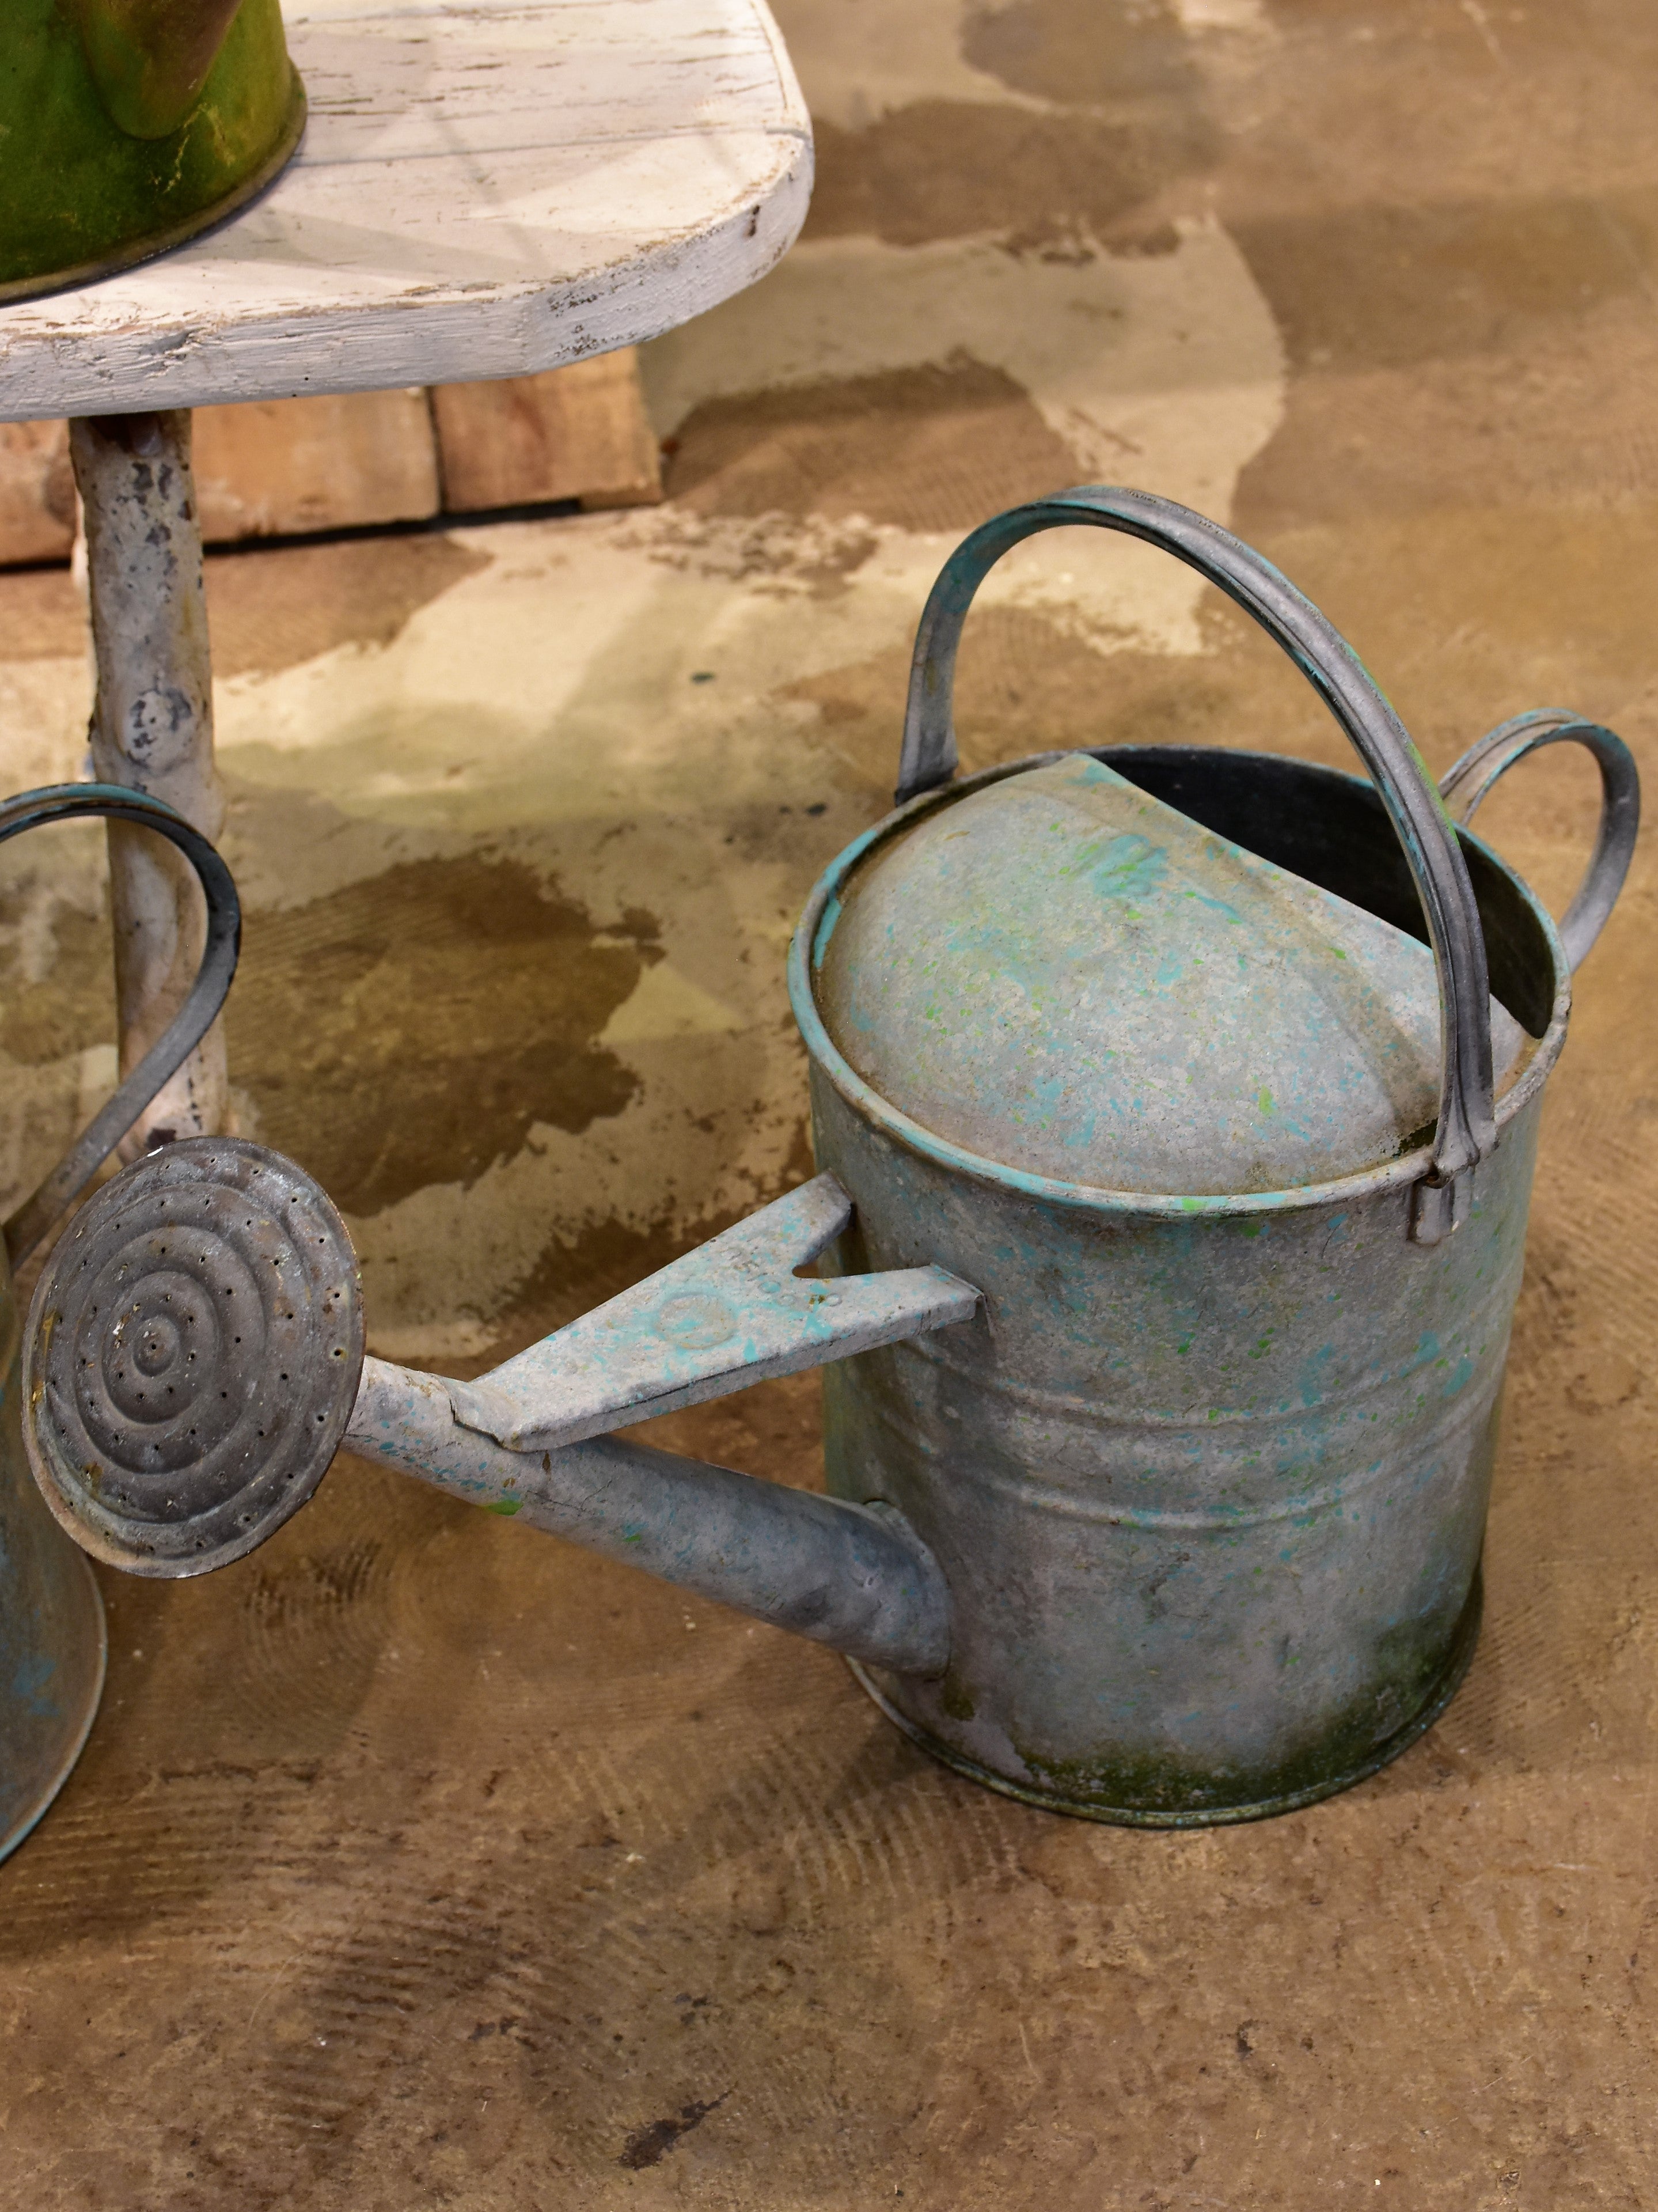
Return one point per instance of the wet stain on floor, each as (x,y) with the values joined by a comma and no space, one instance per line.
(1024,684)
(650,2145)
(1115,54)
(1035,179)
(413,1028)
(888,448)
(272,609)
(57,985)
(1382,285)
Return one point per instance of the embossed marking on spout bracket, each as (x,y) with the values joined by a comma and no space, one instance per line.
(727,1314)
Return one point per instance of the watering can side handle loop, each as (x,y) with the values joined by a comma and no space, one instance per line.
(1464,785)
(1466,1127)
(113,802)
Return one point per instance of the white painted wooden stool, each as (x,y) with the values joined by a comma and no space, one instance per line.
(486,188)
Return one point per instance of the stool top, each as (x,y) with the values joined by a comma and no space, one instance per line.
(485,188)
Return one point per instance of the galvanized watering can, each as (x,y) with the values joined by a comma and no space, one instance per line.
(1177,1110)
(127,127)
(52,1619)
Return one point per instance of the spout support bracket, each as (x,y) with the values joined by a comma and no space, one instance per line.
(728,1314)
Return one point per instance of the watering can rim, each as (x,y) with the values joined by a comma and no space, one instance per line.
(1409,1167)
(29,1224)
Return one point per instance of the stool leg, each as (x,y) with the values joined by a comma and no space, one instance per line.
(152,727)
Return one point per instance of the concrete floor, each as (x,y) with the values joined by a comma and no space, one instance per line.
(420,1861)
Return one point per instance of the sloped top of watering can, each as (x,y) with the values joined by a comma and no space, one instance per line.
(1062,973)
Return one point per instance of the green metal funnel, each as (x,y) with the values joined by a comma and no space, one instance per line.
(126,127)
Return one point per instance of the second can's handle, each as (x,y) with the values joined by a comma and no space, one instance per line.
(64,802)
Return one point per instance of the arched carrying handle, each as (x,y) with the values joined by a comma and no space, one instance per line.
(1464,785)
(1467,1127)
(62,802)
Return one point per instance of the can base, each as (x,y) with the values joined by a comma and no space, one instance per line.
(1445,1687)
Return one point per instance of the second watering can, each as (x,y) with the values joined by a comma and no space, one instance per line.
(127,127)
(1176,1111)
(52,1619)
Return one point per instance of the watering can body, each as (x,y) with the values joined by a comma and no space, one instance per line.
(126,127)
(51,1622)
(52,1619)
(1176,1113)
(1207,1474)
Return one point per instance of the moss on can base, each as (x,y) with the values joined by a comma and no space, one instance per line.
(1159,1805)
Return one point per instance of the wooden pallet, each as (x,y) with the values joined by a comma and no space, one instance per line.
(292,467)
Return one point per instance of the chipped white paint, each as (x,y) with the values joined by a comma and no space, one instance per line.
(484,189)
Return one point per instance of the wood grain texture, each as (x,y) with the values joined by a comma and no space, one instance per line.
(37,493)
(270,468)
(276,467)
(575,433)
(484,191)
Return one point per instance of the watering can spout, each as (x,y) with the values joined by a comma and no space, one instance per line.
(195,1358)
(530,1439)
(856,1577)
